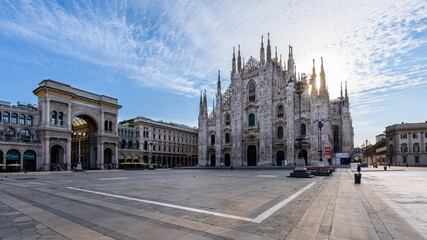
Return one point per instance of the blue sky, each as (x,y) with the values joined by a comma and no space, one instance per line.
(156,56)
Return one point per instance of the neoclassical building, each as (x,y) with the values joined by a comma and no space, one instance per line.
(407,144)
(19,145)
(167,144)
(46,137)
(255,121)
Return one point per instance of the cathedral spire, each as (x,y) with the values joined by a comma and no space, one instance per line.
(201,105)
(276,54)
(239,61)
(341,89)
(233,67)
(322,77)
(219,83)
(291,66)
(281,60)
(268,49)
(313,80)
(262,53)
(205,104)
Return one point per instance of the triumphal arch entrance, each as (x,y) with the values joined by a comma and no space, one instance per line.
(75,123)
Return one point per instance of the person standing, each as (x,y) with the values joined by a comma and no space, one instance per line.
(358,168)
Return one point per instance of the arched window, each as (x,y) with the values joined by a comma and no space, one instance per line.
(252,91)
(6,116)
(251,120)
(227,119)
(14,118)
(145,145)
(130,144)
(227,137)
(54,117)
(60,118)
(110,126)
(280,132)
(123,143)
(25,134)
(131,134)
(9,133)
(21,119)
(416,148)
(280,111)
(404,148)
(106,126)
(212,139)
(29,120)
(303,129)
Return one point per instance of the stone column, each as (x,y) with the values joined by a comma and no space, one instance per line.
(102,129)
(22,161)
(100,154)
(47,112)
(68,154)
(4,160)
(116,156)
(46,154)
(69,120)
(423,148)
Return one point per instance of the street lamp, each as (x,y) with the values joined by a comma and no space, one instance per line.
(151,142)
(300,170)
(79,134)
(320,123)
(366,149)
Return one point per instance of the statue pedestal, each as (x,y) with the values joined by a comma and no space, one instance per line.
(78,168)
(300,171)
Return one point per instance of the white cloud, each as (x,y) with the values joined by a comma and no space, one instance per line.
(179,45)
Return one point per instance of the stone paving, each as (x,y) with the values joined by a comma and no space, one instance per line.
(196,204)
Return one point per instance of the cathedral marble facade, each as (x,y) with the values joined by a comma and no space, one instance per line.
(255,121)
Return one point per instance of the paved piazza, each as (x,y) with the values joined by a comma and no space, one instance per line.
(212,204)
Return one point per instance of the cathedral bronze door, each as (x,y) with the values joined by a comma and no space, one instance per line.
(251,155)
(280,157)
(227,160)
(213,163)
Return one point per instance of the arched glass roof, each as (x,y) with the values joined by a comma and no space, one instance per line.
(78,122)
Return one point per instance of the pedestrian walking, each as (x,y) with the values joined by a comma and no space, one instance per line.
(358,168)
(407,165)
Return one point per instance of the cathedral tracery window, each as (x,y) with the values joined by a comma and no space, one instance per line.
(280,132)
(212,139)
(227,119)
(227,137)
(303,130)
(251,120)
(280,111)
(252,91)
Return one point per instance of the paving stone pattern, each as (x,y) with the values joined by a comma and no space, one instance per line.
(42,207)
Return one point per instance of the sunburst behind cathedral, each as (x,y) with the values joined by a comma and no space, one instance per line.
(255,122)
